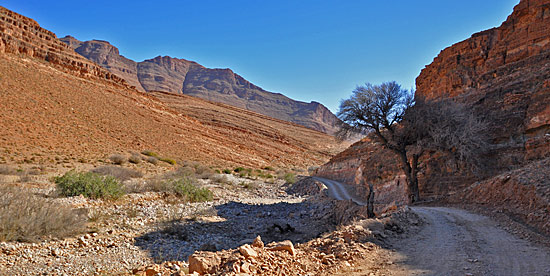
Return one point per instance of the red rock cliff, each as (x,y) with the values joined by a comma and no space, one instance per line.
(504,73)
(23,36)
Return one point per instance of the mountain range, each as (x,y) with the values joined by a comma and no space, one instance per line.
(167,74)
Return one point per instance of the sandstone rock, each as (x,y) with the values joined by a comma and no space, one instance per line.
(282,246)
(22,35)
(203,262)
(248,251)
(258,242)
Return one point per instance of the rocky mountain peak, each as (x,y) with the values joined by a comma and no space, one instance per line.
(168,74)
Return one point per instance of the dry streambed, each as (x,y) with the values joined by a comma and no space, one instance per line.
(145,228)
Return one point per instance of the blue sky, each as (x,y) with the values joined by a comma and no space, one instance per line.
(307,50)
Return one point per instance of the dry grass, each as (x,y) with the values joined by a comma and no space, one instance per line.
(118,159)
(119,173)
(29,218)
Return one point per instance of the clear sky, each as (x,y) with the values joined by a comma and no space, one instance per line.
(308,50)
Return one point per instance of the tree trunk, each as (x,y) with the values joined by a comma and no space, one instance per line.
(370,202)
(410,170)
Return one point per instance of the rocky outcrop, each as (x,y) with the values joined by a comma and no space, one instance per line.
(504,74)
(174,75)
(20,35)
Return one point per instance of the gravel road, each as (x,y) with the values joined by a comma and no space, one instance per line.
(339,191)
(456,242)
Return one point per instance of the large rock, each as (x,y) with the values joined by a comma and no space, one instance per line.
(174,75)
(204,262)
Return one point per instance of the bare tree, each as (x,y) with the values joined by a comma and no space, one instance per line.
(410,129)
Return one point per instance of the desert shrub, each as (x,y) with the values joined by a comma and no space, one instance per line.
(204,172)
(184,187)
(180,173)
(168,160)
(153,160)
(217,171)
(29,218)
(221,179)
(269,168)
(7,170)
(150,153)
(134,159)
(118,159)
(249,185)
(117,172)
(290,178)
(88,184)
(238,169)
(227,171)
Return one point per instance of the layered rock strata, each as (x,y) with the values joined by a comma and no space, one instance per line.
(24,36)
(174,75)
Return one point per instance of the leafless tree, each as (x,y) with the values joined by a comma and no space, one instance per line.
(411,128)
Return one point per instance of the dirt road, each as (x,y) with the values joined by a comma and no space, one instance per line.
(456,242)
(339,191)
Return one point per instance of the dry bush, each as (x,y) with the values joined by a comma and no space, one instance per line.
(7,170)
(117,172)
(153,160)
(118,159)
(29,218)
(135,159)
(88,184)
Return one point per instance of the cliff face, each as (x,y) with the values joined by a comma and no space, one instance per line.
(219,85)
(23,36)
(504,73)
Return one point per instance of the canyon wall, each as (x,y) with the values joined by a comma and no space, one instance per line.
(504,74)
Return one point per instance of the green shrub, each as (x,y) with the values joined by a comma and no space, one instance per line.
(89,184)
(290,178)
(150,153)
(168,160)
(185,188)
(238,169)
(227,171)
(29,218)
(269,168)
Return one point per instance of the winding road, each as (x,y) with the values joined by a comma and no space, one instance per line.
(339,191)
(457,242)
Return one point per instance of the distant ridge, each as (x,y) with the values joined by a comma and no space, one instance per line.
(182,76)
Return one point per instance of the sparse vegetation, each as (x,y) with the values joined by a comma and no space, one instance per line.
(290,178)
(227,171)
(153,160)
(168,160)
(26,217)
(119,173)
(238,169)
(134,159)
(150,153)
(118,159)
(268,168)
(88,184)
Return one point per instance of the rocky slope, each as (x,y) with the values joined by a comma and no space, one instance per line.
(504,73)
(174,75)
(57,107)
